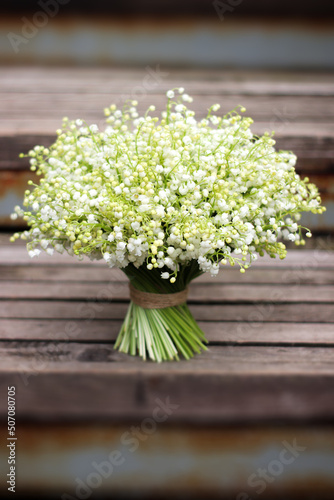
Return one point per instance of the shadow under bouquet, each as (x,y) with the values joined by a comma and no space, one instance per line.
(165,199)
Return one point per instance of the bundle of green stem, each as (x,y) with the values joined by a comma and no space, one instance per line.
(162,334)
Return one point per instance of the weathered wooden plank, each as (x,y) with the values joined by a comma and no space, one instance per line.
(267,312)
(78,357)
(63,273)
(75,90)
(114,291)
(198,292)
(90,106)
(255,275)
(81,330)
(213,293)
(122,80)
(225,384)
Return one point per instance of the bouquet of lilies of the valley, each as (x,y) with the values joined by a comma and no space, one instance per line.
(165,199)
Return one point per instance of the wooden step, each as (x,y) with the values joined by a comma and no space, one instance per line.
(271,340)
(299,106)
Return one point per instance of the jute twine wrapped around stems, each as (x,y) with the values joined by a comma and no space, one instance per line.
(157,300)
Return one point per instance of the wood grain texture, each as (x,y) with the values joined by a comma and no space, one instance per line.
(83,80)
(73,357)
(91,310)
(33,102)
(218,332)
(224,384)
(98,274)
(90,106)
(211,293)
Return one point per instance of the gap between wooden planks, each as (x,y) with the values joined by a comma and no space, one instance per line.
(217,332)
(210,293)
(20,106)
(63,80)
(77,273)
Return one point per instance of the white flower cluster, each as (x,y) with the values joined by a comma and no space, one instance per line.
(162,192)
